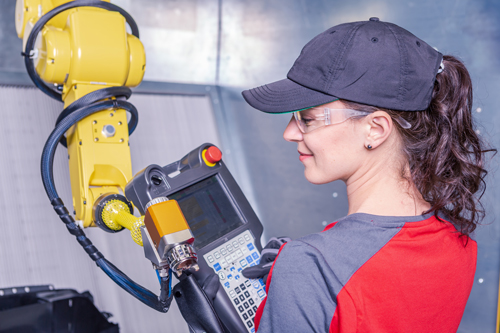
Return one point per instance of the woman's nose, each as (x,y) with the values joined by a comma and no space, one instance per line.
(292,132)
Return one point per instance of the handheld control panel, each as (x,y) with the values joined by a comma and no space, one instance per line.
(226,229)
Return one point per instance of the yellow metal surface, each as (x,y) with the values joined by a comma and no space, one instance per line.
(83,46)
(96,161)
(99,47)
(52,62)
(137,61)
(164,218)
(116,215)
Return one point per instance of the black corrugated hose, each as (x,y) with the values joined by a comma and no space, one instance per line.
(93,102)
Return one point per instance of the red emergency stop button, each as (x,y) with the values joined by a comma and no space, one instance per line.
(212,155)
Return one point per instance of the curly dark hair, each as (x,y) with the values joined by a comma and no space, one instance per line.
(446,156)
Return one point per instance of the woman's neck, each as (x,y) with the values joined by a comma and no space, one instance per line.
(377,190)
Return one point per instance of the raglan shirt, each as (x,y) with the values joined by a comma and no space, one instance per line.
(368,273)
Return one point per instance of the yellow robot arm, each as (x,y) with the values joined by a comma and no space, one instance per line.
(82,50)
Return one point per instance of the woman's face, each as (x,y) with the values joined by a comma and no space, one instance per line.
(331,152)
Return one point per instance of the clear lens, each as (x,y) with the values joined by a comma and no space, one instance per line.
(310,119)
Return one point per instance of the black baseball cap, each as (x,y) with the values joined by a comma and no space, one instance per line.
(371,62)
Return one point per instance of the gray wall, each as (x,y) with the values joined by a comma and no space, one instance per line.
(236,44)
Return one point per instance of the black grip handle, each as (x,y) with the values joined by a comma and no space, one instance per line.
(196,309)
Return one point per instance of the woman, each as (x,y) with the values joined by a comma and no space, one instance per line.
(383,111)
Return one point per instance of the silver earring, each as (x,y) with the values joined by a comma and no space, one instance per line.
(369,147)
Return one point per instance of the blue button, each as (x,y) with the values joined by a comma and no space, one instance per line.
(217,267)
(249,259)
(253,330)
(257,261)
(250,246)
(262,282)
(236,277)
(227,285)
(229,276)
(240,269)
(253,264)
(255,255)
(232,269)
(261,293)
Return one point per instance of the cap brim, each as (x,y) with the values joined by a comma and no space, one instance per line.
(285,96)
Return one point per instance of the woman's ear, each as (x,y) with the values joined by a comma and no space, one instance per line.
(380,126)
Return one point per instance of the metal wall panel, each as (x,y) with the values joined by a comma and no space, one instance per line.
(35,247)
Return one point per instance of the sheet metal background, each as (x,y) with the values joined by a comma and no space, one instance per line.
(35,247)
(236,44)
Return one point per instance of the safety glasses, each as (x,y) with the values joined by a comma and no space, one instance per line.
(311,119)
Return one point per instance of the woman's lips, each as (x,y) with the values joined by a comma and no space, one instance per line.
(303,156)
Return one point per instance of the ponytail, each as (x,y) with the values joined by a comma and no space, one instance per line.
(445,154)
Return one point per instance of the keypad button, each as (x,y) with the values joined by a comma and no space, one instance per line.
(261,293)
(237,277)
(216,255)
(235,244)
(234,256)
(236,301)
(229,247)
(217,267)
(250,312)
(242,298)
(241,241)
(250,246)
(223,263)
(254,308)
(237,289)
(247,294)
(246,305)
(230,276)
(229,259)
(223,252)
(256,285)
(227,285)
(240,308)
(222,276)
(255,255)
(249,324)
(232,294)
(247,237)
(245,316)
(248,283)
(210,259)
(251,301)
(243,263)
(242,286)
(239,253)
(249,259)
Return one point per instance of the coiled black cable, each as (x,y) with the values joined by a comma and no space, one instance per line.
(93,102)
(94,97)
(139,292)
(30,67)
